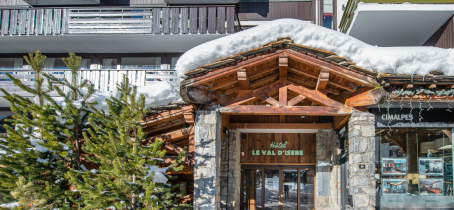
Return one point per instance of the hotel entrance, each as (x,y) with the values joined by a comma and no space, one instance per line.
(277,188)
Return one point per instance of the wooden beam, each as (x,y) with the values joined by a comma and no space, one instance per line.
(313,95)
(172,147)
(243,79)
(312,75)
(408,86)
(281,125)
(189,117)
(286,110)
(196,95)
(283,64)
(224,84)
(431,86)
(339,121)
(283,96)
(270,100)
(264,80)
(167,114)
(191,150)
(323,79)
(165,125)
(349,75)
(172,159)
(230,70)
(301,81)
(171,136)
(367,98)
(252,76)
(186,198)
(254,94)
(296,100)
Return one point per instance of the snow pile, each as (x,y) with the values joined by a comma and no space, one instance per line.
(403,60)
(10,205)
(158,174)
(156,94)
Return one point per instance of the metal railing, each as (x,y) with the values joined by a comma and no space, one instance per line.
(102,79)
(96,20)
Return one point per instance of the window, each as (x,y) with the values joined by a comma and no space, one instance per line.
(141,63)
(415,167)
(109,63)
(58,63)
(11,63)
(173,62)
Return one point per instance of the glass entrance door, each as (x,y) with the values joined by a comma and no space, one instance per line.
(277,189)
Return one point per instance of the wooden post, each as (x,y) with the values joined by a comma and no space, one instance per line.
(243,79)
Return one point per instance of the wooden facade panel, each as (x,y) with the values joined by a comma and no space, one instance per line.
(22,21)
(257,148)
(211,20)
(184,20)
(221,20)
(230,20)
(156,21)
(203,20)
(274,10)
(444,36)
(13,22)
(193,13)
(175,13)
(5,22)
(39,21)
(165,20)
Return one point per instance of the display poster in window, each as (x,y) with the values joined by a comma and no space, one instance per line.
(430,186)
(394,166)
(430,166)
(394,186)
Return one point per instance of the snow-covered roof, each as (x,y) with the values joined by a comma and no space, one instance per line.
(394,60)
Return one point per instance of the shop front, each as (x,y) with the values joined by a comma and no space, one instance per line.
(414,157)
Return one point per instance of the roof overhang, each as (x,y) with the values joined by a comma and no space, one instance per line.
(112,43)
(398,24)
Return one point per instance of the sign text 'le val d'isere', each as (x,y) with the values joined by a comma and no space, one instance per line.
(279,145)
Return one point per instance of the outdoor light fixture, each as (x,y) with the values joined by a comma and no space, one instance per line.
(303,117)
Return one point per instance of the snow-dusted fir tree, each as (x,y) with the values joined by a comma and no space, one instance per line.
(128,176)
(38,149)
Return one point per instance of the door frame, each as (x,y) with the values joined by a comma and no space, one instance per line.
(281,181)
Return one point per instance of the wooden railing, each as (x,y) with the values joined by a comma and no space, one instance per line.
(156,20)
(102,79)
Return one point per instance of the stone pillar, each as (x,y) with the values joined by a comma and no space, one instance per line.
(207,160)
(361,134)
(230,171)
(327,150)
(234,173)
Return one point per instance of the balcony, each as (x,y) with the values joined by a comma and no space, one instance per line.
(95,29)
(102,79)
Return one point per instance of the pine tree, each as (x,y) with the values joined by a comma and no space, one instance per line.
(38,148)
(128,177)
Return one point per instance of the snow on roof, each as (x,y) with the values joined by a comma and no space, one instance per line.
(394,60)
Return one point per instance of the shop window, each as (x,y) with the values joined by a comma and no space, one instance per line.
(58,63)
(11,63)
(141,63)
(109,63)
(415,168)
(173,62)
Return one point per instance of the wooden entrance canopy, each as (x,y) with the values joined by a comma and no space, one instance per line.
(283,78)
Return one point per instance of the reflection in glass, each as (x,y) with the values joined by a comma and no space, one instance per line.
(141,63)
(271,189)
(258,189)
(290,189)
(307,189)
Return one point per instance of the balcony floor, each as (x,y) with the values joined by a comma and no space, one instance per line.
(103,43)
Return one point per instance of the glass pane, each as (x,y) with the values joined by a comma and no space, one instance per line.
(290,189)
(11,63)
(141,63)
(173,62)
(271,189)
(307,189)
(109,63)
(258,189)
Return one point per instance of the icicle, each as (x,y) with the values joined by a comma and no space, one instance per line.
(430,106)
(449,107)
(420,109)
(401,104)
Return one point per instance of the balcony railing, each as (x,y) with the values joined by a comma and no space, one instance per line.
(102,79)
(156,20)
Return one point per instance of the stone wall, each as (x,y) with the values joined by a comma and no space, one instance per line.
(328,150)
(361,136)
(230,171)
(206,160)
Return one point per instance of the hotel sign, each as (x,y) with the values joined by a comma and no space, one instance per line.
(280,145)
(279,148)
